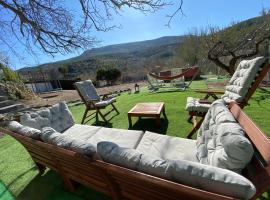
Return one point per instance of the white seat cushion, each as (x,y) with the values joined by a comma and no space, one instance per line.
(167,147)
(51,136)
(123,138)
(193,104)
(105,102)
(80,131)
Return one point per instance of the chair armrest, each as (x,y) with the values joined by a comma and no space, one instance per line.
(105,95)
(209,91)
(205,101)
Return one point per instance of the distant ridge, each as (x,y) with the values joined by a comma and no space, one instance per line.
(134,59)
(109,50)
(133,46)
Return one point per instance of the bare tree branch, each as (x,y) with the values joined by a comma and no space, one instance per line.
(53,27)
(232,48)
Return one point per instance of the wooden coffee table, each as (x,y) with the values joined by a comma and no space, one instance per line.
(153,110)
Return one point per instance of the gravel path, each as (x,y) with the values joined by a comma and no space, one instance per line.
(48,99)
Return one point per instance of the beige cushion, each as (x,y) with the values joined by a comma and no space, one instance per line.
(193,104)
(58,117)
(51,136)
(24,130)
(167,147)
(238,86)
(88,90)
(189,173)
(221,141)
(105,102)
(112,153)
(124,138)
(242,79)
(212,179)
(80,131)
(155,166)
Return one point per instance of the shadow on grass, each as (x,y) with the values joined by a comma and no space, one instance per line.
(166,91)
(50,187)
(5,193)
(264,94)
(149,124)
(263,90)
(102,123)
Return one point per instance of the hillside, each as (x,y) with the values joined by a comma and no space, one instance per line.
(132,47)
(134,59)
(128,57)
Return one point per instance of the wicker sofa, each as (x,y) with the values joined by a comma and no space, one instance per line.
(129,164)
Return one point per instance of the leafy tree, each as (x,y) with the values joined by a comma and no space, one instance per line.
(11,83)
(63,70)
(108,74)
(7,74)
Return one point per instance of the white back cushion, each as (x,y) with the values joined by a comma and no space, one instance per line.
(242,79)
(221,141)
(51,136)
(24,130)
(88,90)
(58,117)
(189,173)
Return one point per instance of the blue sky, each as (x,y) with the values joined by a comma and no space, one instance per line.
(136,26)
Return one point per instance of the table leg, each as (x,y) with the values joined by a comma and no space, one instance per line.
(158,121)
(164,113)
(129,120)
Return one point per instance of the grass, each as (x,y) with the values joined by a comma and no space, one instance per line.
(18,175)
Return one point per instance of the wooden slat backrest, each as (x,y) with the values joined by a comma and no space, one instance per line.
(257,137)
(256,82)
(69,164)
(137,185)
(258,170)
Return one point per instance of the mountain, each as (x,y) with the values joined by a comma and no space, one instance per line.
(130,58)
(132,47)
(135,59)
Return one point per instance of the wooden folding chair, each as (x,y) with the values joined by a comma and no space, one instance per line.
(205,102)
(93,101)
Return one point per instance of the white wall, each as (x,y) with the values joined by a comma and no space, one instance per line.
(39,87)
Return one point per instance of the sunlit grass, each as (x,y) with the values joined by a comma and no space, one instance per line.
(18,175)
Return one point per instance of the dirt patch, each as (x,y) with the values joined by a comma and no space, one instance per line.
(1,134)
(217,86)
(48,99)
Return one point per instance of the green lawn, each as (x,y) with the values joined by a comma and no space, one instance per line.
(18,175)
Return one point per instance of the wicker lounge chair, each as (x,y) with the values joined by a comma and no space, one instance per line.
(240,88)
(136,165)
(93,101)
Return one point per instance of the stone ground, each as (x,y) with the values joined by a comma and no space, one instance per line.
(48,99)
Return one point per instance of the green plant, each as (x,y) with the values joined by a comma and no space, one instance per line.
(109,74)
(8,74)
(11,83)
